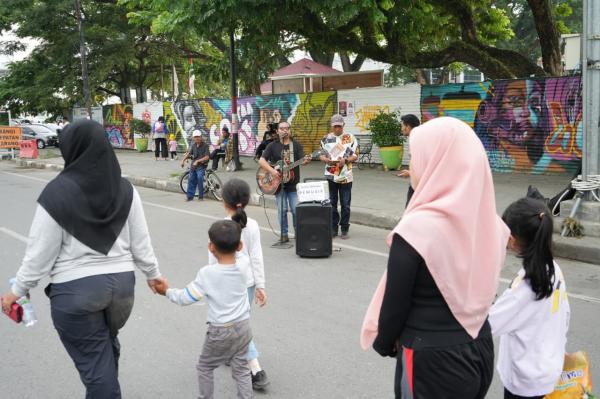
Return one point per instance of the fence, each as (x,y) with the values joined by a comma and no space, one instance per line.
(525,125)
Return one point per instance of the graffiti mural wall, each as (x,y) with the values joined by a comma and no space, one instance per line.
(116,125)
(525,125)
(359,106)
(307,113)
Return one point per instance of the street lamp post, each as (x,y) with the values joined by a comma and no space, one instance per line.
(234,121)
(82,54)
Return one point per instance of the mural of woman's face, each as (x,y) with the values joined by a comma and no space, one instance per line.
(520,111)
(189,123)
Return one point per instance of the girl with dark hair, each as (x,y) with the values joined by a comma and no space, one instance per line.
(236,195)
(532,315)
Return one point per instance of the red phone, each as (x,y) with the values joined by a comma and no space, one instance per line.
(16,313)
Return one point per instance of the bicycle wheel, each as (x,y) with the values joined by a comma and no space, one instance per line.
(183,181)
(214,185)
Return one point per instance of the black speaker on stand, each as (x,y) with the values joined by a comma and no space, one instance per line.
(313,230)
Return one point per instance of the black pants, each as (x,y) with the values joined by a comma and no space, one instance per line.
(462,371)
(87,314)
(215,156)
(508,395)
(344,193)
(173,154)
(160,146)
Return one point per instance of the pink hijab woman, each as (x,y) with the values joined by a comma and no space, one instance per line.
(430,308)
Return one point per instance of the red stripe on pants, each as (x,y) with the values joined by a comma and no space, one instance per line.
(408,360)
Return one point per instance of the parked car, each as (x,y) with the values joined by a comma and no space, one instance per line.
(43,135)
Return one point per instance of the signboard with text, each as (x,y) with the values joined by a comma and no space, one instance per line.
(10,136)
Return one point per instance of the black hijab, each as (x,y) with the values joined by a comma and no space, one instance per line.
(89,198)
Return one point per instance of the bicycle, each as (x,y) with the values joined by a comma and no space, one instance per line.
(212,183)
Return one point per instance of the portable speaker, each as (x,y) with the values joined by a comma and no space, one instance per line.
(313,230)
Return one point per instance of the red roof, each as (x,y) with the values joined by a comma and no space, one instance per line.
(304,66)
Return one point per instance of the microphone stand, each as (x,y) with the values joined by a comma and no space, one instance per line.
(280,244)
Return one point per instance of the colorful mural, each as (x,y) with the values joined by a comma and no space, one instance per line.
(307,113)
(116,125)
(525,125)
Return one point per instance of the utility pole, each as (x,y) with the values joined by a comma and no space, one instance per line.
(590,70)
(82,54)
(234,122)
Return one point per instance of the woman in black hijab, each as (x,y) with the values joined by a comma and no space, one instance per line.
(88,235)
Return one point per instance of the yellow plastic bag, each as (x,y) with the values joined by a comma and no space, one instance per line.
(576,379)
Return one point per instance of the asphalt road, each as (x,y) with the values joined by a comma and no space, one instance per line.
(307,334)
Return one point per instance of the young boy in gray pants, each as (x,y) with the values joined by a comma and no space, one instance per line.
(224,287)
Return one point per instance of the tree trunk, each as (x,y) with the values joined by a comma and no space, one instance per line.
(420,76)
(351,66)
(548,34)
(322,57)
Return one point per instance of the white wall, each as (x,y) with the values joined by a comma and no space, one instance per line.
(358,106)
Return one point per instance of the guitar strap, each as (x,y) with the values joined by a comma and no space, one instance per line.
(291,151)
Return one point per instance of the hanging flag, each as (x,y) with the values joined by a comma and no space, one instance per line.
(191,78)
(175,84)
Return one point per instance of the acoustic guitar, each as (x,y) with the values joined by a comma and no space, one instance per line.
(270,184)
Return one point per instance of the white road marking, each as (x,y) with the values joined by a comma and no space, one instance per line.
(27,177)
(13,234)
(211,217)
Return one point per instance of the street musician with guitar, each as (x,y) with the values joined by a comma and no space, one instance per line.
(282,182)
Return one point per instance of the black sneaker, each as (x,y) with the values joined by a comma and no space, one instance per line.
(260,380)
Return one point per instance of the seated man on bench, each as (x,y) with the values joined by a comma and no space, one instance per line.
(219,152)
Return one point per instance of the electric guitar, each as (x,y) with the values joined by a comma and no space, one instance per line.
(270,184)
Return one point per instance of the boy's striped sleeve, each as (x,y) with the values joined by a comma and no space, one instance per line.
(192,293)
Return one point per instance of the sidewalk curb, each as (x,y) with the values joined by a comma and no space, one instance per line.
(570,248)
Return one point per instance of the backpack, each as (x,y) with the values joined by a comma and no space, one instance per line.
(159,127)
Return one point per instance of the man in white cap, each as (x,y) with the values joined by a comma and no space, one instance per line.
(199,153)
(341,152)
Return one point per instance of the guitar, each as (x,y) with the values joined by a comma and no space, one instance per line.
(270,184)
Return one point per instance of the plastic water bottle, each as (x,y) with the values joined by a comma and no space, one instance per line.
(29,318)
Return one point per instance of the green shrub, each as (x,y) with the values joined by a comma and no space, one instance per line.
(386,129)
(140,127)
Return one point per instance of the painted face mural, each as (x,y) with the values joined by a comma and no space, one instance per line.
(512,124)
(525,125)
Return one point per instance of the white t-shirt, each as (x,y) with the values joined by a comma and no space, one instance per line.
(250,258)
(223,288)
(533,335)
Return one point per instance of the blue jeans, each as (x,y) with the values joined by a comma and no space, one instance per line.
(286,200)
(344,193)
(196,179)
(252,352)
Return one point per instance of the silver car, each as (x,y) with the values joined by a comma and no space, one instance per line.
(43,135)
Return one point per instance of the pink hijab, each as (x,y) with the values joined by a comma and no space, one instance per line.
(451,222)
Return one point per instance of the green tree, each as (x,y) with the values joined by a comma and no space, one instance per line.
(411,33)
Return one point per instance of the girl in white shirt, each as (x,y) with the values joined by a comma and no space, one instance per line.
(532,315)
(236,195)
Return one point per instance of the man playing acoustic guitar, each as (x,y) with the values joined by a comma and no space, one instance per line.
(288,150)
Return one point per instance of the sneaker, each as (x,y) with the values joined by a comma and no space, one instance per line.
(284,238)
(344,235)
(260,380)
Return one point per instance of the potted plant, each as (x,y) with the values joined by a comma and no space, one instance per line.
(386,133)
(141,130)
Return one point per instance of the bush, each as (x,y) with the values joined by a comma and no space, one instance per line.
(140,127)
(386,130)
